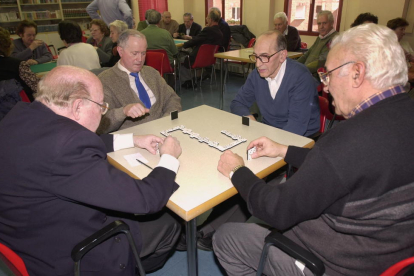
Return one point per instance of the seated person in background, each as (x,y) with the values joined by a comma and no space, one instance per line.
(291,33)
(225,30)
(349,203)
(365,18)
(283,89)
(13,68)
(115,29)
(27,47)
(188,29)
(209,35)
(168,24)
(144,23)
(61,163)
(398,25)
(77,54)
(100,40)
(136,93)
(158,38)
(315,57)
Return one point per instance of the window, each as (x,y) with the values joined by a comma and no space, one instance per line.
(144,5)
(232,10)
(302,14)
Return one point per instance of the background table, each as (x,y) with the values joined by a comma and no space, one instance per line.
(42,69)
(202,186)
(179,42)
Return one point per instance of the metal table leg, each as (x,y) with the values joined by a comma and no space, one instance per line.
(191,230)
(221,84)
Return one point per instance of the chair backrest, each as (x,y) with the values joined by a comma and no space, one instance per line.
(205,56)
(251,43)
(24,97)
(155,60)
(166,66)
(324,110)
(55,56)
(303,45)
(399,268)
(13,261)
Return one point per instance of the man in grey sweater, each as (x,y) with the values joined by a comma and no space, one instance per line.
(136,93)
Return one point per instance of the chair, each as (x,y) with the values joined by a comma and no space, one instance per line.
(303,45)
(55,56)
(12,261)
(155,60)
(24,97)
(205,57)
(249,45)
(166,67)
(400,268)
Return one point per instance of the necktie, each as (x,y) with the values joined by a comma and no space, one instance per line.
(142,93)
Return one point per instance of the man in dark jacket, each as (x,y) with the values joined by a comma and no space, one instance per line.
(188,29)
(291,33)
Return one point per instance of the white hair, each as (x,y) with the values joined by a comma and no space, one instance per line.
(119,25)
(282,16)
(327,13)
(378,48)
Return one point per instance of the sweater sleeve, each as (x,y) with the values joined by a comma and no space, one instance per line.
(44,54)
(92,10)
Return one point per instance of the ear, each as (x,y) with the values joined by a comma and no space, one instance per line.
(283,56)
(120,51)
(358,74)
(77,109)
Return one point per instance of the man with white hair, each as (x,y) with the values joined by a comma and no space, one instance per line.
(291,33)
(59,188)
(136,93)
(315,57)
(350,202)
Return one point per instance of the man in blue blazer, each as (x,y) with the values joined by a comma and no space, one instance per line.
(56,186)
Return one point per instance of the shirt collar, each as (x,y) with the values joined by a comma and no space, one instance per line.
(286,30)
(328,34)
(280,74)
(377,97)
(122,68)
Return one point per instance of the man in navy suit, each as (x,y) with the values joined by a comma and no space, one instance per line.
(56,186)
(188,29)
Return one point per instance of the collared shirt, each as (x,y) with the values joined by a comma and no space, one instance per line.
(377,97)
(286,30)
(274,84)
(187,31)
(328,34)
(134,86)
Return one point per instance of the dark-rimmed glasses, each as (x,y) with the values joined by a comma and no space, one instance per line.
(104,106)
(325,76)
(263,59)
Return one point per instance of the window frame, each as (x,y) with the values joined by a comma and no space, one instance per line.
(223,12)
(309,31)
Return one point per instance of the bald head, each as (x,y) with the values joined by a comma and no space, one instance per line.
(166,16)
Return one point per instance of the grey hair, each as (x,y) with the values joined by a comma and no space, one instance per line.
(327,13)
(216,9)
(188,14)
(147,12)
(154,17)
(282,16)
(119,25)
(378,48)
(280,39)
(124,37)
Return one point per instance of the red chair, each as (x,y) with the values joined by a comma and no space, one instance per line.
(399,268)
(249,45)
(155,60)
(12,261)
(84,38)
(303,45)
(205,57)
(166,67)
(55,56)
(24,97)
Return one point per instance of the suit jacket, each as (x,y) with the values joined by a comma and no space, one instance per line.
(209,35)
(104,48)
(59,189)
(195,29)
(118,94)
(293,39)
(225,29)
(142,25)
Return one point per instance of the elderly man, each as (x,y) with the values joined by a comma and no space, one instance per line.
(158,38)
(136,93)
(291,33)
(60,188)
(225,30)
(168,24)
(315,57)
(111,10)
(350,202)
(144,23)
(188,29)
(283,89)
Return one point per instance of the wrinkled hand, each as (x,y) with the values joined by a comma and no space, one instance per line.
(187,37)
(266,147)
(135,110)
(171,146)
(228,161)
(175,35)
(148,142)
(31,62)
(36,43)
(252,117)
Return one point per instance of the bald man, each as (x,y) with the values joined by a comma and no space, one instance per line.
(169,24)
(59,188)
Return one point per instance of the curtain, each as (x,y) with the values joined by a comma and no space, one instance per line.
(144,5)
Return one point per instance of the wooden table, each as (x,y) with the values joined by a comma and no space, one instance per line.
(41,69)
(243,56)
(202,186)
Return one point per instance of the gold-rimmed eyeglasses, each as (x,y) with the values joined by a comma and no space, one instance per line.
(262,58)
(104,106)
(325,76)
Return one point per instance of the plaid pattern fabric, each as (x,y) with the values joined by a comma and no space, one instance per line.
(377,97)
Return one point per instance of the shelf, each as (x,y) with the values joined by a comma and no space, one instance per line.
(77,17)
(46,19)
(64,3)
(44,4)
(11,21)
(8,6)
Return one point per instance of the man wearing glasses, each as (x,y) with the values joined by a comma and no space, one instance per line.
(283,89)
(56,186)
(350,202)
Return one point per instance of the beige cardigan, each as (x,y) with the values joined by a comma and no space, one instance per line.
(118,94)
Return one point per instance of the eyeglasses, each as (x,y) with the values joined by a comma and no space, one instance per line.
(325,76)
(104,106)
(263,59)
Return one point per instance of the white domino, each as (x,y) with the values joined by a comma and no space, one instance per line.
(250,152)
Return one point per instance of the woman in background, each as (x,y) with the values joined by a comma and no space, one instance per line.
(115,29)
(100,40)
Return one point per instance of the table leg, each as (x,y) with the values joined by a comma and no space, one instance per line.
(192,262)
(221,84)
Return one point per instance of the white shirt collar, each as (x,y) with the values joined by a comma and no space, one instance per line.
(328,34)
(286,30)
(274,84)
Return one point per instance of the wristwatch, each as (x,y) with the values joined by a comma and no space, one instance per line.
(234,170)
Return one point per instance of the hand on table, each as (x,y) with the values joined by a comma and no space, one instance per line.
(135,110)
(171,146)
(228,161)
(266,147)
(148,142)
(187,37)
(252,117)
(31,62)
(175,35)
(36,43)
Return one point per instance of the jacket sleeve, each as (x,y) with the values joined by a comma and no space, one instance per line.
(21,52)
(126,12)
(293,39)
(245,97)
(92,9)
(45,55)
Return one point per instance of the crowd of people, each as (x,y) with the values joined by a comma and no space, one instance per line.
(348,203)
